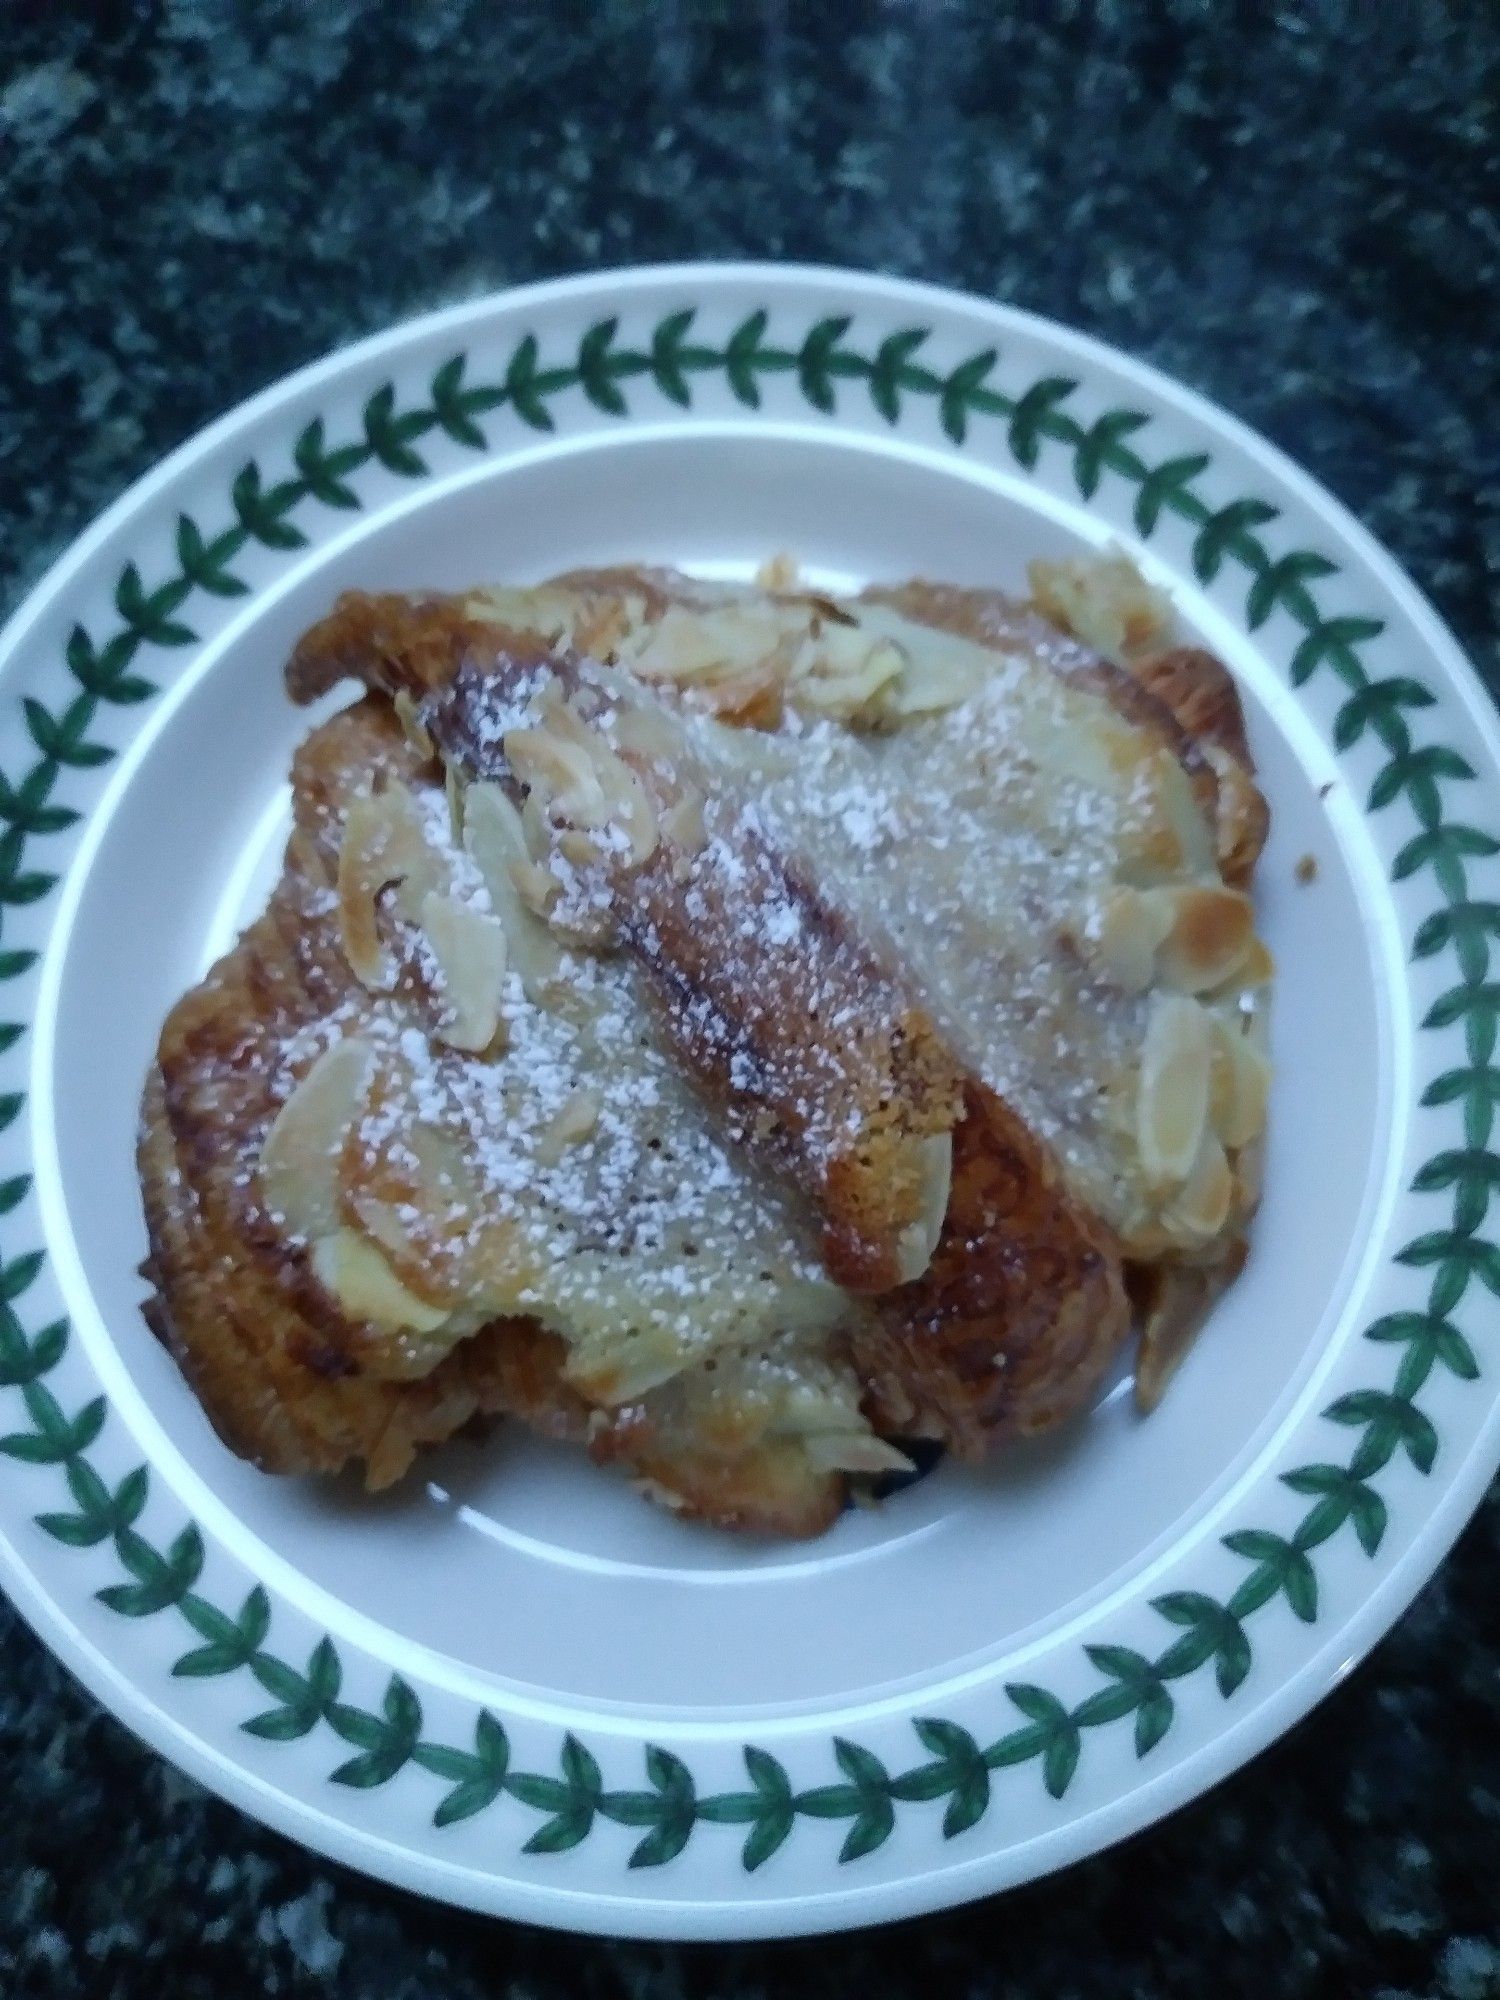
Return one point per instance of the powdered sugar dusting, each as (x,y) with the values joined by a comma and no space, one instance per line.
(647,1241)
(964,846)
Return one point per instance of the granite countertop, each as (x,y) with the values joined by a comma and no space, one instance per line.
(1293,209)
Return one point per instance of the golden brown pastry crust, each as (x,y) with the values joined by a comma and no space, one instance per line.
(1017,1317)
(286,1378)
(1182,695)
(1027,1296)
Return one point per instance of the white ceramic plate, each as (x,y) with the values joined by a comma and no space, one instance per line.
(513,1684)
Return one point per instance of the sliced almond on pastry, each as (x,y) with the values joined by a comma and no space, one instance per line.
(383,847)
(413,728)
(299,1162)
(515,883)
(919,1239)
(469,948)
(1200,1208)
(366,1287)
(1172,1108)
(1174,839)
(1239,1086)
(842,671)
(569,1126)
(1212,930)
(579,782)
(1103,600)
(854,1451)
(1120,938)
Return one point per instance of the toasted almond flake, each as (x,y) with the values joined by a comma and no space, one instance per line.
(578,782)
(694,647)
(1212,930)
(682,824)
(1257,969)
(413,728)
(1119,940)
(569,1126)
(751,699)
(453,791)
(779,572)
(544,609)
(841,671)
(1239,1085)
(644,732)
(918,1240)
(935,676)
(469,947)
(1172,1108)
(1103,600)
(1175,839)
(536,829)
(383,847)
(299,1162)
(578,847)
(496,844)
(1200,1208)
(366,1287)
(558,773)
(854,1451)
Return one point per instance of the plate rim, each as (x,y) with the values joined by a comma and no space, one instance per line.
(1234,1741)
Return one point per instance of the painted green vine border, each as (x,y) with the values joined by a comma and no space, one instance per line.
(956,1767)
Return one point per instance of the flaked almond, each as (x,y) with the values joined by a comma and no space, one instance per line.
(1200,1207)
(682,824)
(1103,600)
(576,780)
(453,791)
(568,1126)
(1172,1108)
(1119,938)
(366,1287)
(937,675)
(542,608)
(918,1240)
(413,728)
(751,699)
(1239,1084)
(630,811)
(558,773)
(383,847)
(1212,930)
(842,671)
(690,647)
(1249,1171)
(469,948)
(577,847)
(627,807)
(299,1162)
(536,828)
(497,846)
(1256,969)
(643,731)
(779,572)
(1174,839)
(404,1198)
(853,1451)
(600,626)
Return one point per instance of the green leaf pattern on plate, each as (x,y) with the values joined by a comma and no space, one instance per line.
(955,1770)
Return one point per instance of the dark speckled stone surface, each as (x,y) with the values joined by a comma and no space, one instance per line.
(1292,208)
